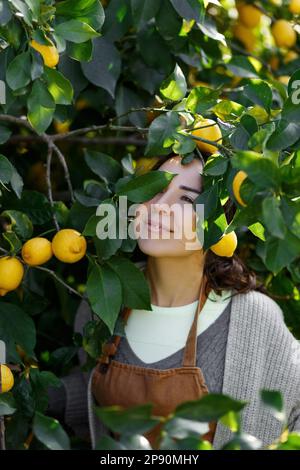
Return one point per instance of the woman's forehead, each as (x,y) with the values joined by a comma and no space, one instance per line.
(191,170)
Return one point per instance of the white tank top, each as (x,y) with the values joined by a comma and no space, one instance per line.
(155,335)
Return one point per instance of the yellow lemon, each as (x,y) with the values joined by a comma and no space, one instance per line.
(208,129)
(68,245)
(284,79)
(62,127)
(143,165)
(284,33)
(226,245)
(236,185)
(249,15)
(245,36)
(290,56)
(11,274)
(294,7)
(49,53)
(82,103)
(37,251)
(7,378)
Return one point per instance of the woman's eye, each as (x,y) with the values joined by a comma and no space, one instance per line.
(186,198)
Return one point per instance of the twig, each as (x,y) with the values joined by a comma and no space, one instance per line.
(49,187)
(66,170)
(54,275)
(15,139)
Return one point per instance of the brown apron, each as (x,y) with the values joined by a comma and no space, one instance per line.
(126,385)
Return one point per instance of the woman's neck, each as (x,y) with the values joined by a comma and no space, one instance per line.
(174,281)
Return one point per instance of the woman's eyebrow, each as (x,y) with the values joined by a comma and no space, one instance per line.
(190,189)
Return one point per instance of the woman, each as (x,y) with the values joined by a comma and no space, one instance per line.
(238,345)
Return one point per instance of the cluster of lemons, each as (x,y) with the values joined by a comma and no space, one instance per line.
(250,17)
(67,245)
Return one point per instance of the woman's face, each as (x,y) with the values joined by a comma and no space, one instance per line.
(170,213)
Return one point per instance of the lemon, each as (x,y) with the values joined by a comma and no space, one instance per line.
(284,79)
(11,274)
(62,127)
(236,185)
(37,251)
(294,7)
(213,132)
(290,56)
(284,33)
(249,15)
(245,36)
(68,245)
(82,103)
(49,53)
(7,378)
(143,165)
(226,245)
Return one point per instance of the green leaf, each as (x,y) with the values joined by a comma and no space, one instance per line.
(161,134)
(261,170)
(274,401)
(144,187)
(48,431)
(19,331)
(13,241)
(208,408)
(201,99)
(190,9)
(18,73)
(260,93)
(258,230)
(280,253)
(5,13)
(41,106)
(241,67)
(210,199)
(240,137)
(105,67)
(143,10)
(174,86)
(6,169)
(287,131)
(5,134)
(75,31)
(104,292)
(82,52)
(135,289)
(87,11)
(35,205)
(216,165)
(104,166)
(21,223)
(273,217)
(7,401)
(135,420)
(59,86)
(228,111)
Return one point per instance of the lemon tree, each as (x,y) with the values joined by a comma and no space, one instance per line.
(92,94)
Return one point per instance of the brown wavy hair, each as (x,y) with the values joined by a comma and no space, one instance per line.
(225,273)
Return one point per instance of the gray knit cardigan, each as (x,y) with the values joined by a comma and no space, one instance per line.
(261,353)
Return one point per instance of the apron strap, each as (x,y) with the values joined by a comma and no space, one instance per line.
(190,350)
(109,348)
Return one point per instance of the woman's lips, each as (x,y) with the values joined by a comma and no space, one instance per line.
(157,227)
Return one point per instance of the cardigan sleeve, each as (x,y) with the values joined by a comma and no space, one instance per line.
(68,403)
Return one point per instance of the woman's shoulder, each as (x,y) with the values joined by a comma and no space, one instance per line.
(258,305)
